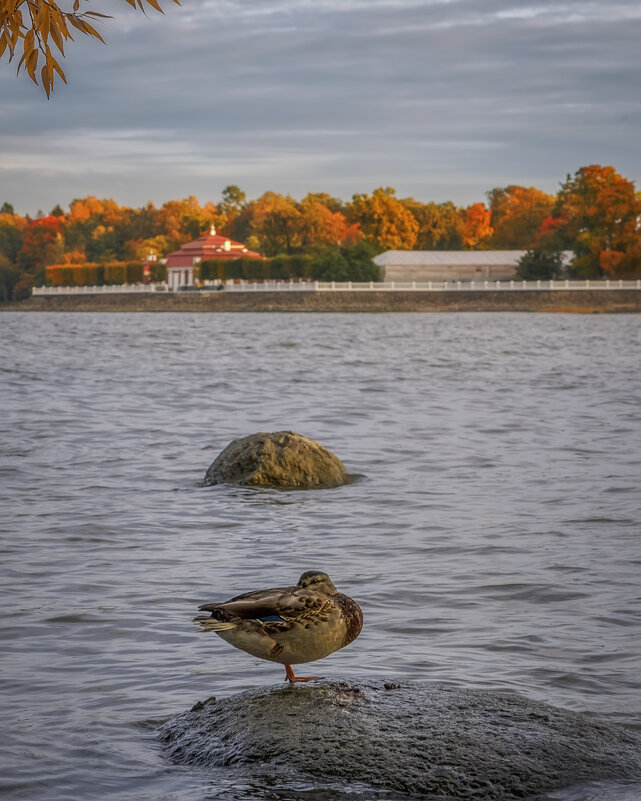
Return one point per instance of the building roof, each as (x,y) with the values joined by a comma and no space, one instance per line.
(449,257)
(443,257)
(213,246)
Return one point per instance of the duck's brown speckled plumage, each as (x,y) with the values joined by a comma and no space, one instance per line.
(290,625)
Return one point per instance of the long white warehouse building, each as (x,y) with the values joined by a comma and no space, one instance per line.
(446,265)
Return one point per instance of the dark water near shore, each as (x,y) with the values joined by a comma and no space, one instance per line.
(493,542)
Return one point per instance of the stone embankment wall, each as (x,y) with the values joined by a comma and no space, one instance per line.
(579,301)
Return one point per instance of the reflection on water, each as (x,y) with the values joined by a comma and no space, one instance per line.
(492,540)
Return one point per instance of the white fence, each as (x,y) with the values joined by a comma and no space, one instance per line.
(98,290)
(475,286)
(345,286)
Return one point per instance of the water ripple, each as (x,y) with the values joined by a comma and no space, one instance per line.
(491,539)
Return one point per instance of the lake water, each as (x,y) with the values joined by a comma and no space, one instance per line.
(492,541)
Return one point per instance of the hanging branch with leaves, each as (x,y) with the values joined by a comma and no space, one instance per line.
(33,26)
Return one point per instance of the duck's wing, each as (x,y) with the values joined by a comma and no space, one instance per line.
(278,603)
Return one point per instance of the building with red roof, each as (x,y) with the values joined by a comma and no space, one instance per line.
(181,263)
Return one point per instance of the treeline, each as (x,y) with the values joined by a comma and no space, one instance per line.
(595,214)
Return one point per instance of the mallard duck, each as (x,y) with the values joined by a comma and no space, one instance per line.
(289,625)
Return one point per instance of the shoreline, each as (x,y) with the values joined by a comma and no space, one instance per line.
(568,301)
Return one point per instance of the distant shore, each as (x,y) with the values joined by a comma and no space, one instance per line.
(582,301)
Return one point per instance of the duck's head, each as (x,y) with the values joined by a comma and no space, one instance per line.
(317,582)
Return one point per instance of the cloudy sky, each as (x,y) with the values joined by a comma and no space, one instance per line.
(441,99)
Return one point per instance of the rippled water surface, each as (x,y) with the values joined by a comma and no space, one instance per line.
(492,542)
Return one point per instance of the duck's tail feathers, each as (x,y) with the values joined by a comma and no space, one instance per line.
(208,623)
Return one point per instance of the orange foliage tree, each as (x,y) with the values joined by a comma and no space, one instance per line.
(319,225)
(42,243)
(183,220)
(598,214)
(517,215)
(384,220)
(476,226)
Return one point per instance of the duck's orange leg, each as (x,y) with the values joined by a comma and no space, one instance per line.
(290,675)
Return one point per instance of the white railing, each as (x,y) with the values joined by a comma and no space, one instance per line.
(98,290)
(346,286)
(269,286)
(467,286)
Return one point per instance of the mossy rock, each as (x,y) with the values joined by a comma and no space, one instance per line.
(405,738)
(280,459)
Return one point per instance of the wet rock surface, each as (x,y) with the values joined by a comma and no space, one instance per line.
(417,739)
(280,459)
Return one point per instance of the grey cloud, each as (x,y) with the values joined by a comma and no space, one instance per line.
(442,100)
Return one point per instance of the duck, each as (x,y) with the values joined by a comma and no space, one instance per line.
(288,625)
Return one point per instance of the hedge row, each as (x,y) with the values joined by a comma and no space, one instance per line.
(297,266)
(328,264)
(91,274)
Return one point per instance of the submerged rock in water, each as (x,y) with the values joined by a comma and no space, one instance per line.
(282,459)
(407,738)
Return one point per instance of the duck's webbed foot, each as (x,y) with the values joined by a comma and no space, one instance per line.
(290,675)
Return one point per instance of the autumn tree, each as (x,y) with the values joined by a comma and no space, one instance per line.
(384,220)
(36,27)
(95,226)
(183,220)
(332,203)
(142,249)
(273,220)
(319,225)
(280,231)
(42,243)
(440,225)
(517,214)
(598,213)
(476,226)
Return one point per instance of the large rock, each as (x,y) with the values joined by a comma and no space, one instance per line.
(282,459)
(409,738)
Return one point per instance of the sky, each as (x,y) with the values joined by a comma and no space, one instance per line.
(440,99)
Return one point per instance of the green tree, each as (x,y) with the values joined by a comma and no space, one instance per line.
(329,264)
(233,201)
(11,230)
(359,258)
(9,274)
(350,263)
(538,264)
(6,208)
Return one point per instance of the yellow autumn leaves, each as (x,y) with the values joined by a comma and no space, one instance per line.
(32,27)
